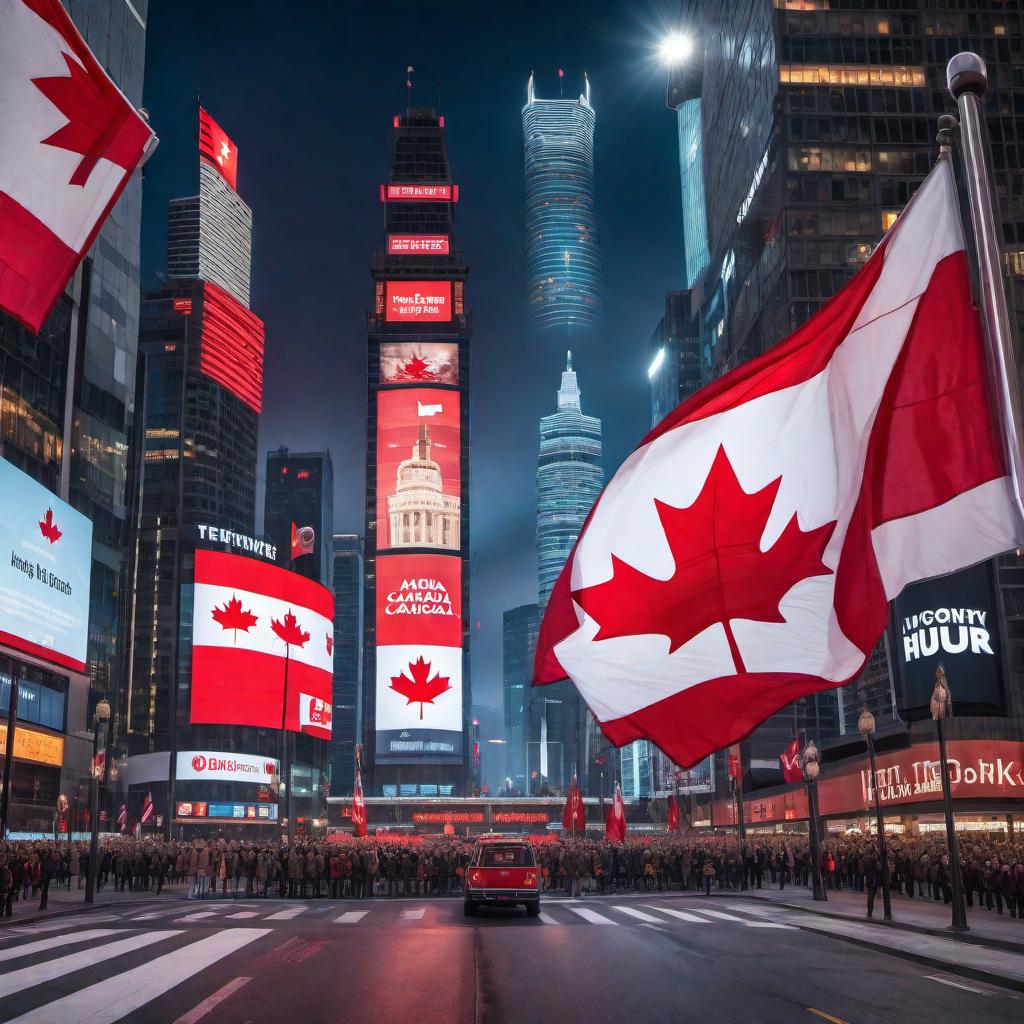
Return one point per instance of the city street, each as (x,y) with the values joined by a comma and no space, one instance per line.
(671,959)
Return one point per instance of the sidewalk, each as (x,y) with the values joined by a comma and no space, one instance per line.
(921,914)
(61,901)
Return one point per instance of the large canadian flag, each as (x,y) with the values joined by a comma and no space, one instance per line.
(69,141)
(743,556)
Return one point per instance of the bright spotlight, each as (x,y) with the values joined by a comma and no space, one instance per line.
(675,48)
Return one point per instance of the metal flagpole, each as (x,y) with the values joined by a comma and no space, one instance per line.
(968,80)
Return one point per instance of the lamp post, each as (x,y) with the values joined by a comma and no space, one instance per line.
(866,727)
(941,706)
(812,769)
(100,719)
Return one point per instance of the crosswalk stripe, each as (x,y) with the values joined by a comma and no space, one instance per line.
(721,915)
(592,916)
(681,914)
(413,915)
(771,924)
(242,914)
(548,919)
(351,917)
(28,948)
(198,916)
(113,998)
(639,914)
(64,922)
(39,974)
(286,915)
(210,1002)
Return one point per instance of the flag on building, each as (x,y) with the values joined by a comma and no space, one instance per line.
(122,820)
(673,813)
(790,760)
(69,142)
(358,807)
(216,149)
(615,822)
(147,809)
(574,816)
(744,555)
(303,541)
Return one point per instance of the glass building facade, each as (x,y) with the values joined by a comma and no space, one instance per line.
(563,262)
(836,107)
(691,179)
(348,659)
(518,649)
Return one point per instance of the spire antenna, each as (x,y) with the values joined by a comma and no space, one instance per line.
(408,89)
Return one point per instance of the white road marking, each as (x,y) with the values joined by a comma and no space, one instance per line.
(64,922)
(681,914)
(957,984)
(109,1000)
(413,915)
(242,915)
(54,941)
(548,919)
(719,914)
(39,974)
(351,917)
(198,916)
(770,924)
(210,1002)
(592,916)
(286,915)
(639,914)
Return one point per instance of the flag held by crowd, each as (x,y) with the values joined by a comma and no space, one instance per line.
(673,813)
(574,817)
(615,822)
(790,761)
(744,555)
(358,807)
(69,142)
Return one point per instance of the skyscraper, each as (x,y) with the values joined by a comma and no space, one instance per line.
(563,262)
(518,647)
(300,492)
(348,659)
(416,692)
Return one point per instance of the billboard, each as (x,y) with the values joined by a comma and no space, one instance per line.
(952,620)
(400,245)
(231,346)
(197,765)
(419,193)
(257,629)
(216,149)
(223,812)
(419,656)
(416,362)
(45,567)
(418,469)
(418,301)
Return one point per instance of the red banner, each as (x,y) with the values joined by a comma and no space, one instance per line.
(428,301)
(436,245)
(231,347)
(216,149)
(419,600)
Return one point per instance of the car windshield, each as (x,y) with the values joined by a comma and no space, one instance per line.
(506,856)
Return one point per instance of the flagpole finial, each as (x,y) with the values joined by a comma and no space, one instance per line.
(966,72)
(948,125)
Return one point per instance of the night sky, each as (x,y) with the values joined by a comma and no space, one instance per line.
(307,92)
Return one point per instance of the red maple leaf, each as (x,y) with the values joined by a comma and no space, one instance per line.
(330,644)
(420,688)
(418,368)
(290,631)
(720,573)
(233,616)
(48,528)
(101,124)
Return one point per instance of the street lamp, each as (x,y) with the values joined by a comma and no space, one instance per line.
(941,707)
(812,769)
(675,48)
(866,727)
(100,719)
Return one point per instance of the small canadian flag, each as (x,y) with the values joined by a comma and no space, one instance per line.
(69,142)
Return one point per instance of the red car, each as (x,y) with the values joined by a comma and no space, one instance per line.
(502,873)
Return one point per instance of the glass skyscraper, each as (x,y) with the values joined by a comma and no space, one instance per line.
(691,177)
(563,263)
(518,648)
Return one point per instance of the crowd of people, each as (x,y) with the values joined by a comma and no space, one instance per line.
(345,868)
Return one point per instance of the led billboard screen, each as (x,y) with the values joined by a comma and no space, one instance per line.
(414,362)
(222,766)
(400,245)
(216,149)
(257,628)
(45,567)
(419,657)
(418,469)
(418,301)
(231,348)
(419,193)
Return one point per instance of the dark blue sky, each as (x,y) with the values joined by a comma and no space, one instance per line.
(307,91)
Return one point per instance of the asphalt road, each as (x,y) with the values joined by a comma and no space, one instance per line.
(655,959)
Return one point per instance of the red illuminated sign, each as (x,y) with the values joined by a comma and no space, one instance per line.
(418,301)
(419,599)
(183,306)
(448,817)
(216,149)
(520,818)
(418,469)
(253,622)
(414,362)
(419,193)
(431,244)
(232,346)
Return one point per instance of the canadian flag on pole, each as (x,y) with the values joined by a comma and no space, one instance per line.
(743,556)
(790,761)
(358,807)
(147,809)
(69,141)
(574,815)
(615,823)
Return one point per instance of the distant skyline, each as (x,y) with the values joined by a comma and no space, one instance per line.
(308,101)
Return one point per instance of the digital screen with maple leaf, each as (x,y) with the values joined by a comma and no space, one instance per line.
(420,686)
(414,362)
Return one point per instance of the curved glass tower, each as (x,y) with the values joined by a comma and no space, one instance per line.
(569,479)
(562,258)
